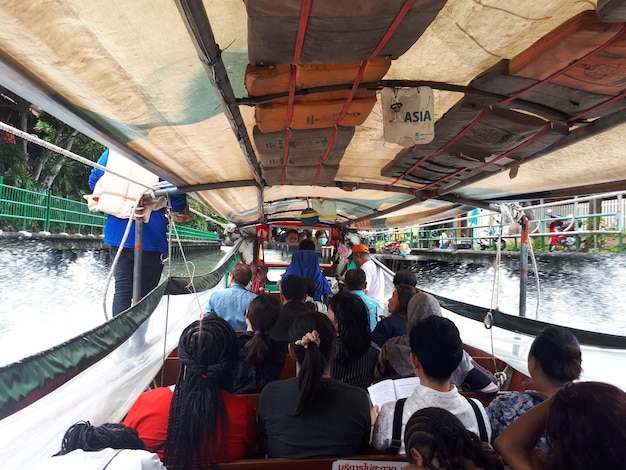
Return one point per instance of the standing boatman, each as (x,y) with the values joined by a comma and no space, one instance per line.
(117,197)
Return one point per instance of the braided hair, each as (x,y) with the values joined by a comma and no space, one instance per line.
(208,350)
(312,359)
(83,435)
(438,434)
(262,314)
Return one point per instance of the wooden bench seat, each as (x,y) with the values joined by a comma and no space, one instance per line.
(169,373)
(169,370)
(301,464)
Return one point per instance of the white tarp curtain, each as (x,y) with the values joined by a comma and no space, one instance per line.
(103,393)
(598,364)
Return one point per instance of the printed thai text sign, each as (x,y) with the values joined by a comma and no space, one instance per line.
(367,465)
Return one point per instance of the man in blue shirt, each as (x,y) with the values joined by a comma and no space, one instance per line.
(355,282)
(114,195)
(231,303)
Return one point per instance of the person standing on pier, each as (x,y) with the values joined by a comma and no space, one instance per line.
(116,196)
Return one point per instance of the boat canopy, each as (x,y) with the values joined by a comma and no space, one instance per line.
(396,112)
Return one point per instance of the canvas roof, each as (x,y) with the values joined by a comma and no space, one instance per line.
(140,76)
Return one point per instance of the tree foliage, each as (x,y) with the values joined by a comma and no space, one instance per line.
(201,223)
(13,166)
(24,164)
(27,164)
(63,176)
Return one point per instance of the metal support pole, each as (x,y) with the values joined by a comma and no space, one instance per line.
(620,222)
(138,254)
(46,224)
(523,278)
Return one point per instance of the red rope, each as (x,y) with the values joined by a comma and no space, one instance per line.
(598,106)
(297,53)
(458,136)
(543,130)
(558,73)
(392,29)
(285,155)
(304,21)
(600,48)
(357,80)
(331,141)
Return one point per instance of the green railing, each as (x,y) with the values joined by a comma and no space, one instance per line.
(484,237)
(23,209)
(188,233)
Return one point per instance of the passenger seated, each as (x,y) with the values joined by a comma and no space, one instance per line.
(394,360)
(261,359)
(290,237)
(436,351)
(231,303)
(395,324)
(198,421)
(553,361)
(585,426)
(356,353)
(313,415)
(111,445)
(356,284)
(305,263)
(405,276)
(292,294)
(436,439)
(321,238)
(315,305)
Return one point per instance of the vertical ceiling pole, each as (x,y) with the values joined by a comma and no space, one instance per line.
(523,278)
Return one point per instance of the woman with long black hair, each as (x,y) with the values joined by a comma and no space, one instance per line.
(313,415)
(356,355)
(261,359)
(395,324)
(198,421)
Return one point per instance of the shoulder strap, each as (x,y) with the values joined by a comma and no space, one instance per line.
(479,419)
(105,463)
(396,437)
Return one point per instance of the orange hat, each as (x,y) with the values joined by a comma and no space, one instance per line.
(360,248)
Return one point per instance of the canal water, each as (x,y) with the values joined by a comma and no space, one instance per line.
(47,297)
(584,292)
